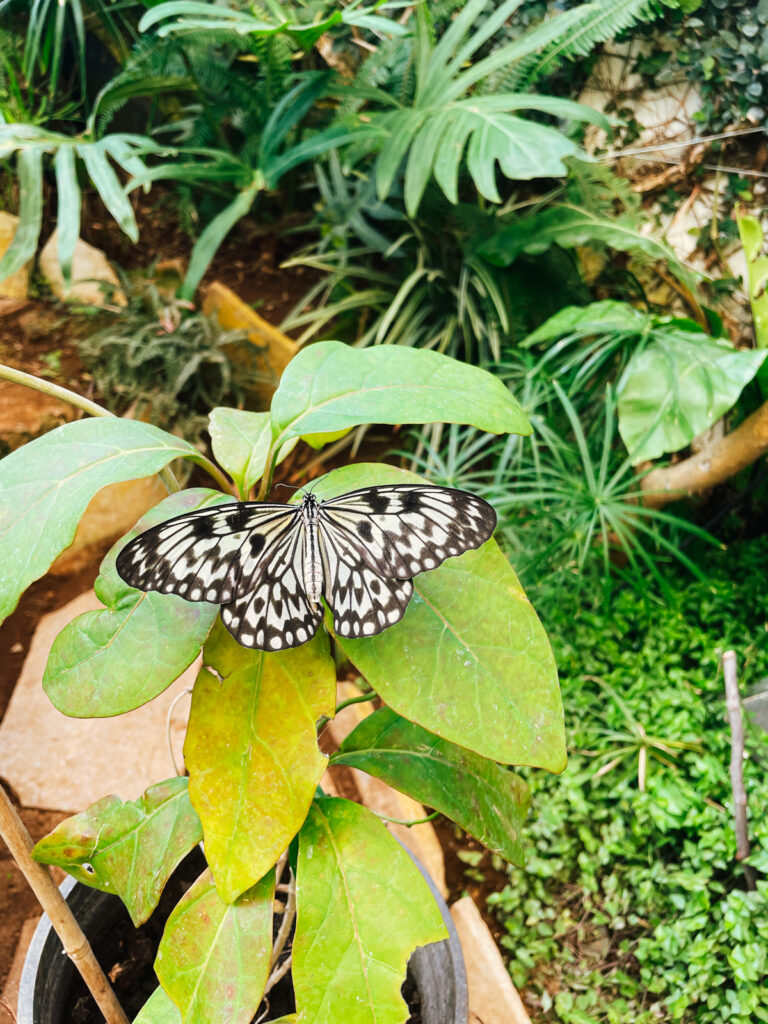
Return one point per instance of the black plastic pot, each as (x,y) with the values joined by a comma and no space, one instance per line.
(437,970)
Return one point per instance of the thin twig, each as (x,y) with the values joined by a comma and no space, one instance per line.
(75,944)
(733,704)
(408,822)
(279,973)
(285,927)
(171,709)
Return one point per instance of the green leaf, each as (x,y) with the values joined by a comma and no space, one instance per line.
(46,485)
(330,386)
(470,660)
(158,1009)
(29,167)
(568,227)
(595,318)
(129,849)
(214,234)
(488,801)
(213,959)
(240,442)
(251,751)
(363,907)
(67,208)
(751,234)
(108,662)
(107,184)
(676,388)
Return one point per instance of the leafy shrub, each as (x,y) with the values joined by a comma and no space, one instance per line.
(633,907)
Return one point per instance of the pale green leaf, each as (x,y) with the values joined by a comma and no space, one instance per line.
(107,184)
(595,318)
(330,386)
(158,1009)
(240,442)
(488,801)
(67,208)
(677,387)
(363,907)
(129,849)
(108,662)
(46,485)
(470,660)
(251,751)
(29,167)
(213,959)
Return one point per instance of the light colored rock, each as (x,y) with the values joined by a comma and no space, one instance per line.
(17,285)
(493,999)
(90,268)
(65,764)
(234,314)
(110,514)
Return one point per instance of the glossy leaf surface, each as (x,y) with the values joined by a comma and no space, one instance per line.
(108,662)
(251,751)
(213,959)
(46,485)
(363,907)
(486,800)
(128,848)
(470,660)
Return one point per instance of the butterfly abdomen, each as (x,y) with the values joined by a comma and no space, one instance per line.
(313,567)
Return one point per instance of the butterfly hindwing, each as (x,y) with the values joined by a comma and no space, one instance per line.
(207,555)
(405,529)
(275,614)
(362,601)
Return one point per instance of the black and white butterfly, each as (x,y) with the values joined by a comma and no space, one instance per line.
(269,564)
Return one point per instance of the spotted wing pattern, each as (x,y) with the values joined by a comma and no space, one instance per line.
(275,613)
(207,555)
(362,601)
(405,529)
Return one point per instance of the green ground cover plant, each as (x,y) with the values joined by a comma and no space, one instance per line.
(460,705)
(632,906)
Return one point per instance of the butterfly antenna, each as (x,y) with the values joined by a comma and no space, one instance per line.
(289,487)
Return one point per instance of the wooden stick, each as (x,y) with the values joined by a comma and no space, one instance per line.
(75,944)
(733,704)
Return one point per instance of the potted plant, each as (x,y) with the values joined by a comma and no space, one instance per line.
(294,880)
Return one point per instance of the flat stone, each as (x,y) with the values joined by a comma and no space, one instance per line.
(493,999)
(17,285)
(90,271)
(61,763)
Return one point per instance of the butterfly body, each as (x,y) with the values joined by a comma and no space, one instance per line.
(269,566)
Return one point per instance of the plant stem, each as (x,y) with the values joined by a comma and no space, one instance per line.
(266,479)
(356,700)
(75,944)
(213,470)
(733,704)
(408,822)
(46,387)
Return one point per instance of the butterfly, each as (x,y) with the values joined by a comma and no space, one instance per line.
(269,565)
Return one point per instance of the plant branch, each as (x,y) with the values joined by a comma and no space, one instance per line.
(285,927)
(75,944)
(408,822)
(733,704)
(712,465)
(47,387)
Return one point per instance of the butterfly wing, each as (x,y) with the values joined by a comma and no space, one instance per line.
(212,554)
(276,613)
(405,529)
(362,601)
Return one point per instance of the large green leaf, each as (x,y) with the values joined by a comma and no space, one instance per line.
(363,907)
(568,227)
(213,959)
(240,442)
(677,387)
(46,485)
(129,849)
(108,662)
(488,801)
(330,386)
(595,318)
(158,1009)
(470,660)
(251,751)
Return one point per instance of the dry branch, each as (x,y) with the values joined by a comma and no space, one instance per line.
(75,944)
(711,466)
(733,704)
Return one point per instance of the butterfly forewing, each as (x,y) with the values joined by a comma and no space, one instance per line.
(207,555)
(275,614)
(363,602)
(406,529)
